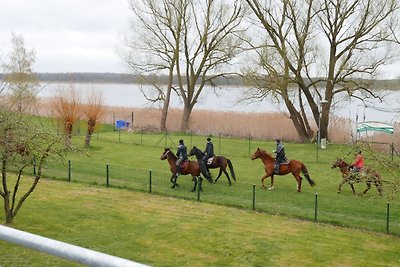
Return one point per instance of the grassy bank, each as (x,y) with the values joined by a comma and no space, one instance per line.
(163,231)
(131,159)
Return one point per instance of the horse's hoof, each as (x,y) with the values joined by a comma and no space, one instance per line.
(271,188)
(263,187)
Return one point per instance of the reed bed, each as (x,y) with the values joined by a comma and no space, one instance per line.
(263,126)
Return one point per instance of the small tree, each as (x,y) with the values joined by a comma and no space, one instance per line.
(23,146)
(93,110)
(66,104)
(21,83)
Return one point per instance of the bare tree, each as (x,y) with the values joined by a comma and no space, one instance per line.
(316,50)
(93,111)
(195,42)
(20,82)
(23,147)
(66,105)
(154,46)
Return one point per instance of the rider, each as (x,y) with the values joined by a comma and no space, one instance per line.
(208,153)
(182,156)
(280,154)
(358,163)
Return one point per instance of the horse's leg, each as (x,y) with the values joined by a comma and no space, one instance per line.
(227,176)
(200,183)
(265,176)
(352,188)
(173,180)
(378,184)
(340,185)
(298,179)
(368,187)
(219,175)
(194,179)
(272,182)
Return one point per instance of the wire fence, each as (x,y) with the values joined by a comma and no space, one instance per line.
(375,214)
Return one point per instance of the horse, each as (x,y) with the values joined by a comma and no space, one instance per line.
(293,166)
(189,167)
(216,162)
(367,174)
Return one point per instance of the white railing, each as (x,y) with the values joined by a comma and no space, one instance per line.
(63,250)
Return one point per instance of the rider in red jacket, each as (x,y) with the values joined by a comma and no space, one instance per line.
(358,163)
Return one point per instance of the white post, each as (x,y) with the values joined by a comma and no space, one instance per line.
(63,250)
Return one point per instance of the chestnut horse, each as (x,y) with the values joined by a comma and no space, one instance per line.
(293,166)
(367,174)
(217,162)
(189,167)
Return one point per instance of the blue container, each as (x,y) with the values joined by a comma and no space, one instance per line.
(120,124)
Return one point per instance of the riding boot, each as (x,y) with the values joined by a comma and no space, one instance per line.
(277,168)
(208,170)
(178,170)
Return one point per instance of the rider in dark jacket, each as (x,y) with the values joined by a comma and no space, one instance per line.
(208,152)
(182,156)
(280,155)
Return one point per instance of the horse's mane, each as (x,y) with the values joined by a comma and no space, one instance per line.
(265,152)
(170,151)
(342,160)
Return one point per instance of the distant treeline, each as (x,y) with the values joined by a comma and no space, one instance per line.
(79,77)
(95,77)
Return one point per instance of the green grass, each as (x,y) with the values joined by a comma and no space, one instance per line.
(164,231)
(131,156)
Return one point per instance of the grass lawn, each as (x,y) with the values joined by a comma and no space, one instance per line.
(131,157)
(164,231)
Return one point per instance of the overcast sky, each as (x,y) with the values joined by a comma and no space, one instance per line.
(76,35)
(67,35)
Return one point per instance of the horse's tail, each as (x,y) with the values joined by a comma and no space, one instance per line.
(231,169)
(305,172)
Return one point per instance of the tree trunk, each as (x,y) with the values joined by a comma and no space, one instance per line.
(90,130)
(185,118)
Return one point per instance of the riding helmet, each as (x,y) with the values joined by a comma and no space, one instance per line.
(181,141)
(208,139)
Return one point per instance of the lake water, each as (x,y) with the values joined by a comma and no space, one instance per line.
(228,99)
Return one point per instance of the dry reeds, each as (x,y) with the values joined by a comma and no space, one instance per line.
(264,126)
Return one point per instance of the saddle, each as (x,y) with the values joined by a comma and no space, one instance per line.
(184,164)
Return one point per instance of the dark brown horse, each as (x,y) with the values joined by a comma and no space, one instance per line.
(293,166)
(189,167)
(217,162)
(367,174)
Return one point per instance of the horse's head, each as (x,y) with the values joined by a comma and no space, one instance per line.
(257,154)
(339,163)
(195,151)
(165,154)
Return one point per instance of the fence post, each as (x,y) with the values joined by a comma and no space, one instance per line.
(150,181)
(141,136)
(199,188)
(392,150)
(107,176)
(316,207)
(69,170)
(254,197)
(387,217)
(219,141)
(249,145)
(119,135)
